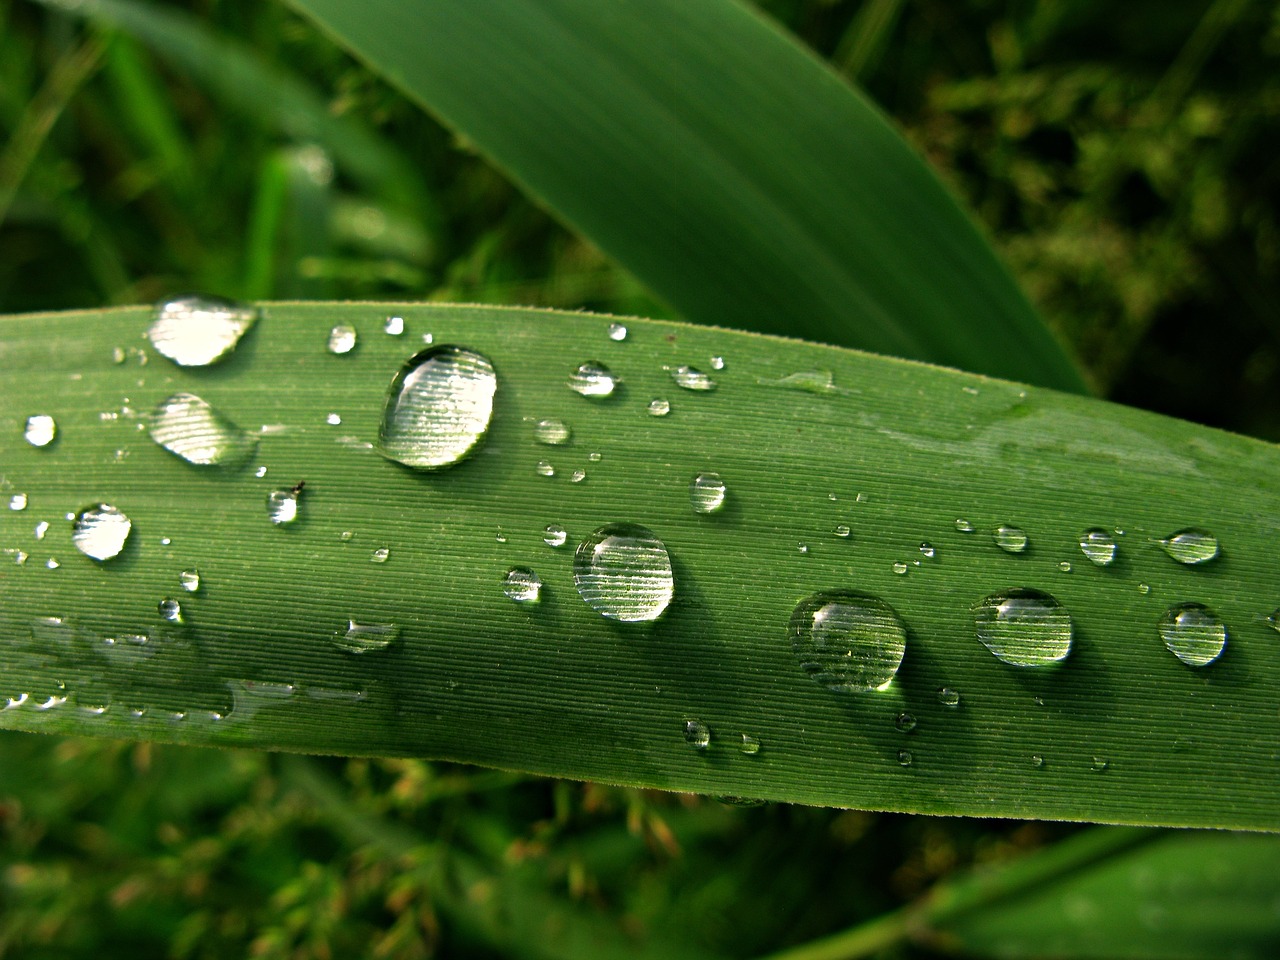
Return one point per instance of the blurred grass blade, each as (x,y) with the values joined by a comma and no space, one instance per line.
(720,162)
(809,440)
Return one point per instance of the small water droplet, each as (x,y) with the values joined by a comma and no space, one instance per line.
(366,637)
(593,457)
(1037,761)
(552,432)
(750,745)
(1010,539)
(342,339)
(282,506)
(554,535)
(593,379)
(697,734)
(577,476)
(1190,546)
(802,547)
(189,580)
(1193,633)
(847,641)
(438,408)
(380,555)
(198,331)
(1098,546)
(500,537)
(905,722)
(926,548)
(18,501)
(170,610)
(1099,764)
(42,528)
(346,535)
(623,571)
(717,363)
(843,530)
(900,567)
(117,354)
(963,525)
(1274,619)
(691,378)
(522,585)
(948,697)
(260,472)
(1024,627)
(100,531)
(19,556)
(905,758)
(394,326)
(40,431)
(659,407)
(1144,588)
(707,493)
(52,563)
(1065,566)
(544,468)
(617,332)
(333,420)
(190,428)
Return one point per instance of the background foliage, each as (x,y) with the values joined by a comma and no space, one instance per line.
(1120,155)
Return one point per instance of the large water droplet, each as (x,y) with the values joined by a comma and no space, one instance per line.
(18,501)
(1190,546)
(554,535)
(342,339)
(282,506)
(1193,633)
(706,493)
(189,580)
(170,610)
(691,378)
(522,585)
(1099,546)
(1024,627)
(100,531)
(624,573)
(848,641)
(438,408)
(1010,539)
(593,379)
(697,734)
(617,332)
(750,746)
(949,696)
(198,331)
(40,431)
(552,432)
(190,428)
(905,722)
(366,637)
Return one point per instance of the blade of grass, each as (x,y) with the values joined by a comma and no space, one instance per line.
(806,437)
(717,160)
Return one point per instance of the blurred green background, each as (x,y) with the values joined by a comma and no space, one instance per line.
(1122,157)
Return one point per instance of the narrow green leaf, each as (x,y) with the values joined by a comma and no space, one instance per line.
(717,160)
(807,439)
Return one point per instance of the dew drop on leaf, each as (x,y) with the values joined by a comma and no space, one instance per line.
(617,332)
(1193,633)
(170,610)
(554,535)
(552,432)
(18,502)
(438,408)
(707,493)
(342,339)
(394,326)
(623,572)
(905,722)
(366,637)
(691,378)
(1190,546)
(189,580)
(40,430)
(544,468)
(658,407)
(198,331)
(927,550)
(1024,627)
(1010,539)
(190,428)
(843,531)
(963,525)
(697,734)
(522,585)
(282,506)
(948,697)
(101,531)
(750,746)
(1099,546)
(593,379)
(848,642)
(905,758)
(380,555)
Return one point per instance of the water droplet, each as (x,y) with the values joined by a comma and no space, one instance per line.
(847,641)
(117,354)
(617,332)
(1010,539)
(905,758)
(190,428)
(554,535)
(342,339)
(394,326)
(18,501)
(1065,566)
(691,378)
(1193,633)
(593,379)
(1144,588)
(1024,627)
(366,637)
(198,331)
(189,580)
(750,745)
(697,734)
(282,506)
(1098,546)
(333,420)
(706,493)
(260,472)
(346,535)
(40,431)
(963,525)
(100,531)
(624,573)
(52,563)
(577,476)
(905,722)
(1037,761)
(717,363)
(926,548)
(380,555)
(900,567)
(552,432)
(659,407)
(593,457)
(544,468)
(42,528)
(842,530)
(1274,619)
(522,585)
(170,610)
(438,408)
(1099,764)
(948,697)
(1190,546)
(500,537)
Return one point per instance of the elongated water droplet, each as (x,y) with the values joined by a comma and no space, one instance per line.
(342,339)
(697,734)
(691,378)
(170,610)
(1010,539)
(1024,627)
(366,637)
(101,531)
(438,408)
(190,428)
(1190,546)
(189,580)
(593,379)
(948,697)
(963,525)
(380,555)
(552,432)
(706,493)
(905,722)
(843,530)
(394,326)
(1099,546)
(282,506)
(659,407)
(42,528)
(40,431)
(617,332)
(554,535)
(1193,633)
(624,573)
(198,331)
(847,641)
(750,745)
(522,585)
